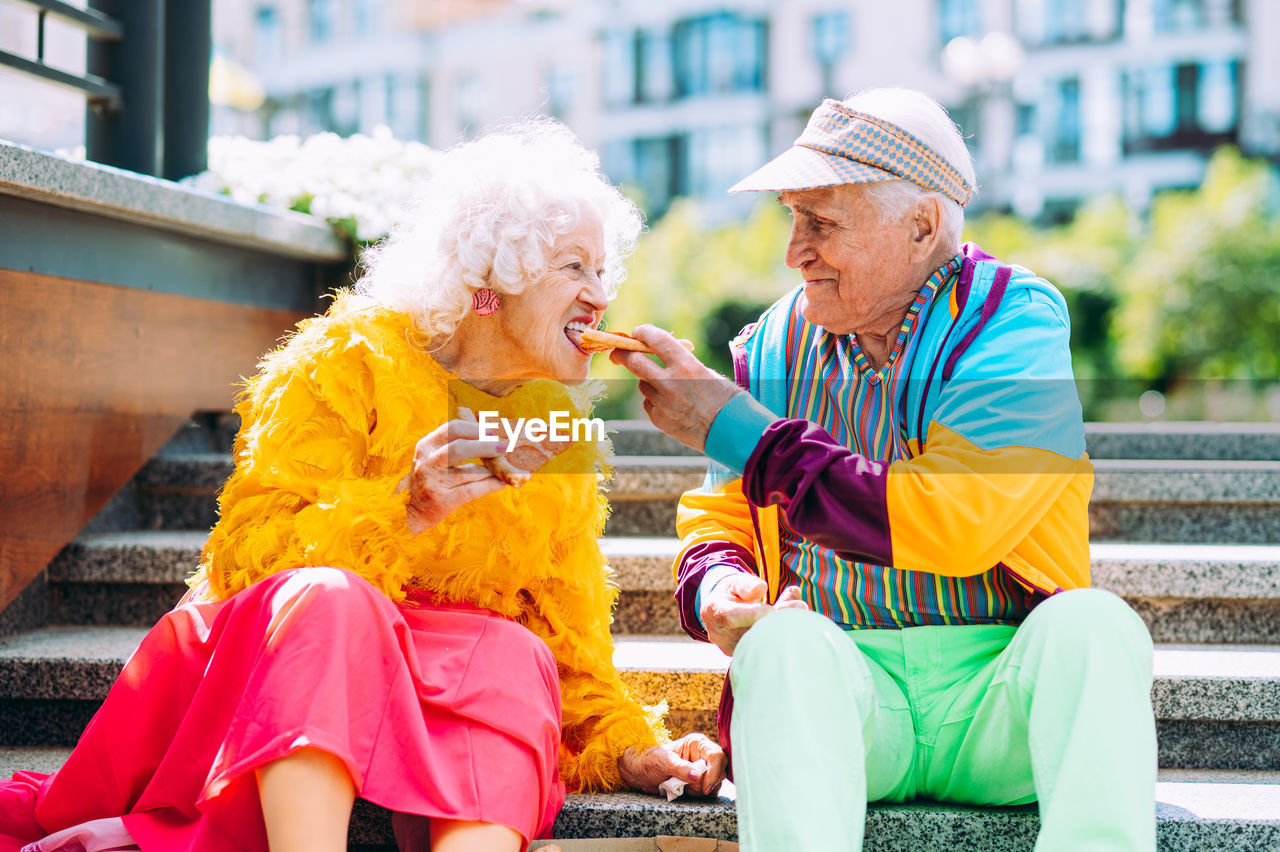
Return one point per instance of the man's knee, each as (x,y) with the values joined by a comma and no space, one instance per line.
(1093,627)
(1091,613)
(793,645)
(786,632)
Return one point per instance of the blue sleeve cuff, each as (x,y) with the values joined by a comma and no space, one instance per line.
(736,431)
(709,581)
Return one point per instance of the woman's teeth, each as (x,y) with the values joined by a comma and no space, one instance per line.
(574,331)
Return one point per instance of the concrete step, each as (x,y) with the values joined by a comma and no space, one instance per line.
(1133,499)
(1196,811)
(1183,440)
(1185,592)
(1171,440)
(1218,707)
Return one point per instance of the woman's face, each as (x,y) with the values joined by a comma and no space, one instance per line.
(542,325)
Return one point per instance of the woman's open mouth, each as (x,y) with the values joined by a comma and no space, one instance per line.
(573,331)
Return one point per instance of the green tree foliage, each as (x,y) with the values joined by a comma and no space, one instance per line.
(1201,299)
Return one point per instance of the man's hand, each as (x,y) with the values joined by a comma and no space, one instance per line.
(681,395)
(736,603)
(644,772)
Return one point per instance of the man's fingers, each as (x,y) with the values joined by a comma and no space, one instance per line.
(662,342)
(747,588)
(732,616)
(640,364)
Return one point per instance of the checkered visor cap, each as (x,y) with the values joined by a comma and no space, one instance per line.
(841,145)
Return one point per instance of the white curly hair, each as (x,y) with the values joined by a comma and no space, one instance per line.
(489,218)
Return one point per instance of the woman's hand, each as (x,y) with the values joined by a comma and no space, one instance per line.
(440,481)
(644,772)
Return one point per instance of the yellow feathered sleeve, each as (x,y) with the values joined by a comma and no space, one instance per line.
(312,485)
(601,719)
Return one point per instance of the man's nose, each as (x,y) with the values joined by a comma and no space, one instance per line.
(799,250)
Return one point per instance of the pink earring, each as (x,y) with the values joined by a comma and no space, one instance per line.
(485,301)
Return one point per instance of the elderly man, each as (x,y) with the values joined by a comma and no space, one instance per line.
(900,484)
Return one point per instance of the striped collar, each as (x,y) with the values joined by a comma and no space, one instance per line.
(940,276)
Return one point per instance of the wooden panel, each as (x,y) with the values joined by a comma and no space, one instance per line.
(94,378)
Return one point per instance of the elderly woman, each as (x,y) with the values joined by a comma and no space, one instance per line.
(375,614)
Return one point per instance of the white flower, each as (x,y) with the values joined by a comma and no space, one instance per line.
(373,180)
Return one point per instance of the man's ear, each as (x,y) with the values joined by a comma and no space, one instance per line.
(926,227)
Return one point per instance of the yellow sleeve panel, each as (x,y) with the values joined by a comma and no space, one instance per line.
(601,719)
(957,510)
(715,515)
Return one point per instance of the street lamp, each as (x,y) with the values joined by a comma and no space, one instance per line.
(985,69)
(986,63)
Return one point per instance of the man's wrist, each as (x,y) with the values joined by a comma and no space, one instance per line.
(715,575)
(736,430)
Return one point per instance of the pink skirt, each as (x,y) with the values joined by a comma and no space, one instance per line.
(436,710)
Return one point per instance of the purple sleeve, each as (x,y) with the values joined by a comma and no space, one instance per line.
(696,562)
(831,496)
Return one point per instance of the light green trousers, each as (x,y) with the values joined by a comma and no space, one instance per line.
(1056,710)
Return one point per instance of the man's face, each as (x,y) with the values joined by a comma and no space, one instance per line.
(857,270)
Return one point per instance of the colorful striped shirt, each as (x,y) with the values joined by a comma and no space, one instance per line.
(832,383)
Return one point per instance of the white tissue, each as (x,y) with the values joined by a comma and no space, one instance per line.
(674,787)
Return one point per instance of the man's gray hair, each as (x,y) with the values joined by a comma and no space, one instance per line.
(490,218)
(925,118)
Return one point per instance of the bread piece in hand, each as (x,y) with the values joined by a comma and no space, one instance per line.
(516,466)
(519,464)
(594,340)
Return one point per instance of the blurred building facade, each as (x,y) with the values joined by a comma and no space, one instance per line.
(1060,99)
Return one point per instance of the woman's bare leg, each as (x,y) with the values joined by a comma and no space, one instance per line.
(448,835)
(306,802)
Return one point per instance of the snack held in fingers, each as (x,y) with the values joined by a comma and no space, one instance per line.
(594,340)
(523,458)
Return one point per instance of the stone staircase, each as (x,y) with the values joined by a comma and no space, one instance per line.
(1186,527)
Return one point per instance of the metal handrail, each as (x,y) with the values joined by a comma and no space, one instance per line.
(93,22)
(100,94)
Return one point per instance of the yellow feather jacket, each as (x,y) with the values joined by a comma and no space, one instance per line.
(328,429)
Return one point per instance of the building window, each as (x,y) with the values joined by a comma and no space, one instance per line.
(967,118)
(318,111)
(619,68)
(366,15)
(717,157)
(831,37)
(320,20)
(1216,110)
(1065,21)
(654,67)
(958,18)
(657,172)
(468,96)
(1176,15)
(1065,147)
(268,37)
(1026,120)
(562,89)
(719,54)
(1188,106)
